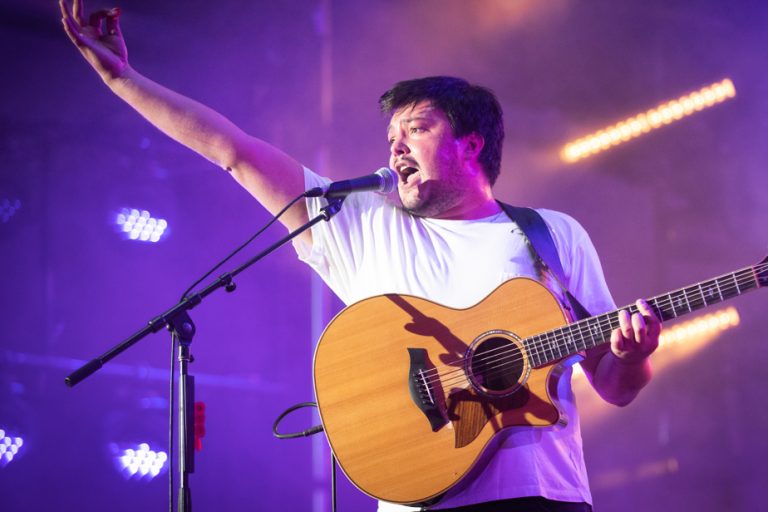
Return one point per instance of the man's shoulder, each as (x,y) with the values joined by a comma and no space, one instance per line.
(562,223)
(556,216)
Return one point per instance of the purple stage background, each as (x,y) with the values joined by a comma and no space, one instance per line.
(676,206)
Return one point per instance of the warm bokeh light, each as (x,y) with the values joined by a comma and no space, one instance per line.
(704,325)
(639,124)
(687,337)
(677,344)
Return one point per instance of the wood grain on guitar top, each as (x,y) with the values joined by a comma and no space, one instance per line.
(383,442)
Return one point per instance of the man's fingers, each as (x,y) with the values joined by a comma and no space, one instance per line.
(638,327)
(624,323)
(617,341)
(637,334)
(77,11)
(95,19)
(73,31)
(113,22)
(652,321)
(65,12)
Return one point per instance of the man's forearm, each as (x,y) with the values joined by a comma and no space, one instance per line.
(187,121)
(619,382)
(270,175)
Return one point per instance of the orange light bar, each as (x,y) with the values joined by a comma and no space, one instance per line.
(657,117)
(710,324)
(687,337)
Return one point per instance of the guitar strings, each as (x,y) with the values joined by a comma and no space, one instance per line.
(662,302)
(537,348)
(514,354)
(506,357)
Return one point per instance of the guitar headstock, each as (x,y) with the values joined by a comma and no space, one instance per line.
(761,271)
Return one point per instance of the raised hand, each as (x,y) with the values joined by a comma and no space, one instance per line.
(99,39)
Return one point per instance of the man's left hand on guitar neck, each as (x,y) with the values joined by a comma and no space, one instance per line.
(620,370)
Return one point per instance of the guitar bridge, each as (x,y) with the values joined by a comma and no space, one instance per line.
(425,389)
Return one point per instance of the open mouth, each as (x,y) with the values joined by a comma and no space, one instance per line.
(406,171)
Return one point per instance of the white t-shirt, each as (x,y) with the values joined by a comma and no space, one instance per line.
(372,247)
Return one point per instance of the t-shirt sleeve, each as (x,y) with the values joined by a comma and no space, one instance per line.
(581,264)
(337,247)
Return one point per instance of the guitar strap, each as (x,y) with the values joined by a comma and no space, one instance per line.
(544,250)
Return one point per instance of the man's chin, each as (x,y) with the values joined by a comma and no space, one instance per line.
(420,209)
(412,206)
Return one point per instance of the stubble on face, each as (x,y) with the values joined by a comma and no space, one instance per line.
(437,186)
(437,196)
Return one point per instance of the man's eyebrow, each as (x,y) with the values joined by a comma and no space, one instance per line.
(418,117)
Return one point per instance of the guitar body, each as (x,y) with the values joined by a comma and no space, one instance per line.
(401,431)
(412,393)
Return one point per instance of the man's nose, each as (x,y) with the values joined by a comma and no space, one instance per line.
(399,147)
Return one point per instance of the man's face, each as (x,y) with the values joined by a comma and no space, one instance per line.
(428,160)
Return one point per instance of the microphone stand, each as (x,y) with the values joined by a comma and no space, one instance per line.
(178,321)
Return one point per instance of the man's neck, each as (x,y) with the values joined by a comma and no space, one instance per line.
(472,209)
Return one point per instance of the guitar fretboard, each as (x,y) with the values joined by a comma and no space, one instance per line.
(587,333)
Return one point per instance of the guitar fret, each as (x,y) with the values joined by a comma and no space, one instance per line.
(541,349)
(570,340)
(677,303)
(659,308)
(672,305)
(712,287)
(535,352)
(701,292)
(754,281)
(576,346)
(730,288)
(536,349)
(590,332)
(528,347)
(553,345)
(549,351)
(583,341)
(597,333)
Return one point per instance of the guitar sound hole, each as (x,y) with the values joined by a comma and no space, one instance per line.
(496,366)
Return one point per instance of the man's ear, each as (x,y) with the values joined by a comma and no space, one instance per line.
(473,145)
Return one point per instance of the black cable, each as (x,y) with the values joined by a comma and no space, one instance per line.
(304,433)
(171,401)
(244,244)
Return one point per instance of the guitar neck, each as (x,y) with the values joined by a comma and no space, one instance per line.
(587,333)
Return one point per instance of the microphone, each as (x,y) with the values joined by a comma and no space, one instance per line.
(382,181)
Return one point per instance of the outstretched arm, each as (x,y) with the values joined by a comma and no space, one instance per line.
(620,370)
(270,175)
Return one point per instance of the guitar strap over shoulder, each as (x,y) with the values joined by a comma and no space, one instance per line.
(544,250)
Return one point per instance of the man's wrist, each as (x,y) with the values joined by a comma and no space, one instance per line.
(629,362)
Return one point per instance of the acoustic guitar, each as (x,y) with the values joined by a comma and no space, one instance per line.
(411,393)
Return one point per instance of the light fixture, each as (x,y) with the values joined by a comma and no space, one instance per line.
(139,225)
(139,462)
(10,447)
(639,124)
